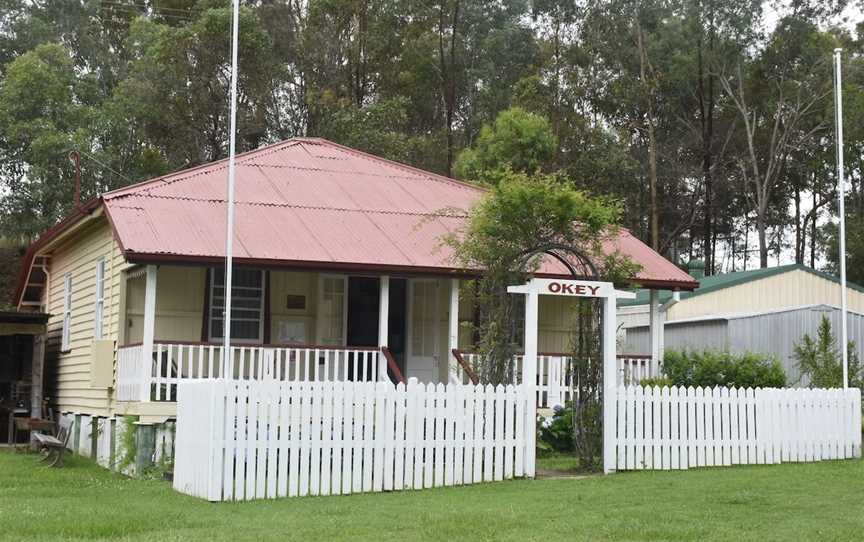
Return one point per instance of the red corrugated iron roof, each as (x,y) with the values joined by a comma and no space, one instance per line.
(311,202)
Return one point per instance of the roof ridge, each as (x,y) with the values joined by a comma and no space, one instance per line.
(371,157)
(185,174)
(435,213)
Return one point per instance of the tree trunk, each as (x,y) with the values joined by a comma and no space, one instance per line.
(799,245)
(813,235)
(448,78)
(654,218)
(763,241)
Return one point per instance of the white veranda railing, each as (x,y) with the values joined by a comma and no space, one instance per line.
(171,363)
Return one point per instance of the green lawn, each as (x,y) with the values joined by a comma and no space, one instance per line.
(823,501)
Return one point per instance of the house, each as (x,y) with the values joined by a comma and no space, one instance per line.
(762,310)
(340,274)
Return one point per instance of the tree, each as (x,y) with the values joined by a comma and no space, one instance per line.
(776,96)
(517,140)
(521,219)
(43,115)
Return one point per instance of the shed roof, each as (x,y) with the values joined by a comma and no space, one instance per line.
(729,280)
(311,202)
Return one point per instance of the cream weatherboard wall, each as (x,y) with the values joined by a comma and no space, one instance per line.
(179,304)
(70,369)
(791,289)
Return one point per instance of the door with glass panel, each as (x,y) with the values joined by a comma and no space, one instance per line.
(422,358)
(332,313)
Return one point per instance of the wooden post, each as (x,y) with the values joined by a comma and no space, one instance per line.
(383,324)
(610,383)
(149,330)
(529,379)
(37,370)
(145,445)
(453,328)
(384,311)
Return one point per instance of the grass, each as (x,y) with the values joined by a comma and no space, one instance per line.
(821,501)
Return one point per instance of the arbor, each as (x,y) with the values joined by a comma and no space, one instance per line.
(523,218)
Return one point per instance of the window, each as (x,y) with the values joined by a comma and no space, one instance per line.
(67,312)
(247,304)
(100,298)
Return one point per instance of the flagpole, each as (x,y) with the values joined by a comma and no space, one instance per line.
(227,356)
(841,196)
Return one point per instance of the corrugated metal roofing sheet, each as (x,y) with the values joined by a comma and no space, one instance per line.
(310,200)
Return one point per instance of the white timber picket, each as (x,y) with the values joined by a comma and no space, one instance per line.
(680,428)
(440,411)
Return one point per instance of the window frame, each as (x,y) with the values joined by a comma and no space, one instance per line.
(211,275)
(99,307)
(66,333)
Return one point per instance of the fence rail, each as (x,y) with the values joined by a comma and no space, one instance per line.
(240,440)
(173,363)
(554,378)
(680,428)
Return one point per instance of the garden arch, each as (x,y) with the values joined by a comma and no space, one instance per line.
(532,290)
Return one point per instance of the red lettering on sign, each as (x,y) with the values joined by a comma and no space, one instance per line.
(593,289)
(554,287)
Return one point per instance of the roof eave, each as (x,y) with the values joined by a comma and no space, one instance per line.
(78,213)
(374,268)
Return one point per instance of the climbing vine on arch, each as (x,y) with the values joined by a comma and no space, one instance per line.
(522,220)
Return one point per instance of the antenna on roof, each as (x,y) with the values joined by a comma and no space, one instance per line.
(227,356)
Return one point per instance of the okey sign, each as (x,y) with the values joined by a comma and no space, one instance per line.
(568,287)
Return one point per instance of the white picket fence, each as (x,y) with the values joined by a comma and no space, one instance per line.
(240,440)
(680,428)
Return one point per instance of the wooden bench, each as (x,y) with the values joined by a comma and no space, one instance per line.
(52,448)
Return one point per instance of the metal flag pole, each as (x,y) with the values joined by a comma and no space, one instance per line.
(841,190)
(227,356)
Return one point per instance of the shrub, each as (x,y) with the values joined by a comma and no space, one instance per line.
(556,433)
(709,368)
(656,381)
(822,364)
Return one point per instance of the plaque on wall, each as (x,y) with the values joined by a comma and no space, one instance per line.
(296,302)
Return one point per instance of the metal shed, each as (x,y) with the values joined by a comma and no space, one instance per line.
(770,332)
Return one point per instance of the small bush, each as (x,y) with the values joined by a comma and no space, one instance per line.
(709,368)
(822,363)
(556,433)
(656,381)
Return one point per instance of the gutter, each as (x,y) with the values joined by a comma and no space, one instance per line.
(672,301)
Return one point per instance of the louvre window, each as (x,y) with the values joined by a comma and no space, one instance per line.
(247,304)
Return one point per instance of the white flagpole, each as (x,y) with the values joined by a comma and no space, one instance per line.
(227,357)
(841,190)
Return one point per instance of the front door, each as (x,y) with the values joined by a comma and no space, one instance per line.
(422,359)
